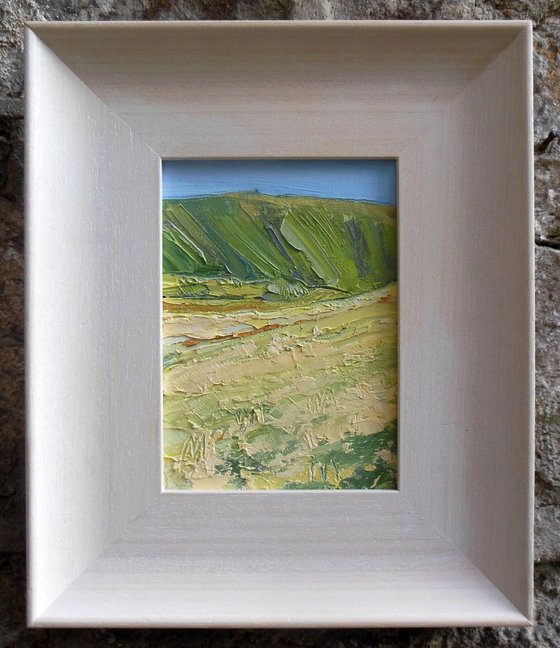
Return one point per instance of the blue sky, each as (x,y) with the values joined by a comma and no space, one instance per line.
(374,180)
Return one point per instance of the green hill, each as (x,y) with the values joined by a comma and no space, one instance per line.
(344,245)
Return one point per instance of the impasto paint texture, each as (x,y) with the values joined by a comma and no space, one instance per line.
(280,324)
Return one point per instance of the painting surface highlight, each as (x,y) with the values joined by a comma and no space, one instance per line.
(280,325)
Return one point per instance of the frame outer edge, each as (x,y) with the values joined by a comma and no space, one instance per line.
(29,47)
(528,38)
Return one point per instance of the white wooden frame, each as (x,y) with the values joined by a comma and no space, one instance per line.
(107,101)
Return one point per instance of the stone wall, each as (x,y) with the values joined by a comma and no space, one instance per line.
(545,15)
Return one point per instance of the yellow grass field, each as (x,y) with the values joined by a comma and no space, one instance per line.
(297,394)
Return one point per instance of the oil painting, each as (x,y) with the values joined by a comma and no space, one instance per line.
(280,304)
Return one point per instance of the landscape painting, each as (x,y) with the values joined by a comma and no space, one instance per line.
(280,303)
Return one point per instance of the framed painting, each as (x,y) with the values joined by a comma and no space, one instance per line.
(279,324)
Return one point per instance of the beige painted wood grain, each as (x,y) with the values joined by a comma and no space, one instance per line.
(452,102)
(92,308)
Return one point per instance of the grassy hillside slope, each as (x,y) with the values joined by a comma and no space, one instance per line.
(294,242)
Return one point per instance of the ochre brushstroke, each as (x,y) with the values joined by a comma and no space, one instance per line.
(280,354)
(267,327)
